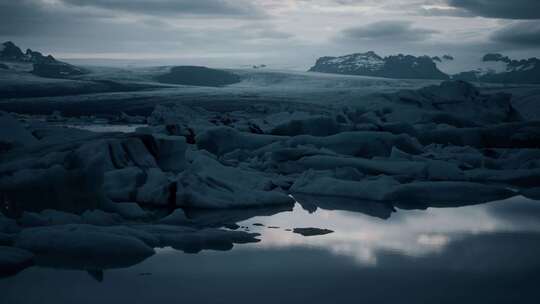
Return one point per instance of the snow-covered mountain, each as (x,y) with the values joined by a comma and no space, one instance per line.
(501,69)
(45,66)
(492,67)
(371,64)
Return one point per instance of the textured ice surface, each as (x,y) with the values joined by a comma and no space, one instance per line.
(445,145)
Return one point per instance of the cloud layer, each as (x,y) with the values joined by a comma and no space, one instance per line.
(295,31)
(507,9)
(388,30)
(174,7)
(519,34)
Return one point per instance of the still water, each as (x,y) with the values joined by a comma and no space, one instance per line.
(486,253)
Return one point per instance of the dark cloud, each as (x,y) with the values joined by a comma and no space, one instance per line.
(33,17)
(388,31)
(174,7)
(78,17)
(57,28)
(526,34)
(506,9)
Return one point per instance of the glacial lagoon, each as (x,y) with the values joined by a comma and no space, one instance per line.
(376,254)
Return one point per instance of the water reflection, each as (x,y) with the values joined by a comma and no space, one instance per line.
(411,232)
(377,254)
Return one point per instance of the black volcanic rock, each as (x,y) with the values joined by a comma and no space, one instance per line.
(517,71)
(371,64)
(198,76)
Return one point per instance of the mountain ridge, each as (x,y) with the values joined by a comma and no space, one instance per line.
(44,66)
(513,71)
(371,64)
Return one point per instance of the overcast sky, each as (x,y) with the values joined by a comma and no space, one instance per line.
(283,33)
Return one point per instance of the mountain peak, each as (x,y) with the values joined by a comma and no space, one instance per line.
(509,70)
(45,66)
(9,51)
(371,64)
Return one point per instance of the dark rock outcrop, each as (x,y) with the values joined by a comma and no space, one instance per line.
(198,76)
(44,66)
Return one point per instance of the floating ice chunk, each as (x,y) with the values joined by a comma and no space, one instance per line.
(130,211)
(177,217)
(443,171)
(138,153)
(6,239)
(8,225)
(31,219)
(13,260)
(374,189)
(246,178)
(155,190)
(311,231)
(520,177)
(171,152)
(118,155)
(315,126)
(13,133)
(371,208)
(132,119)
(193,240)
(121,185)
(433,193)
(73,185)
(366,166)
(55,217)
(362,144)
(88,245)
(460,101)
(54,135)
(100,218)
(504,135)
(223,140)
(428,169)
(209,184)
(520,159)
(201,191)
(271,121)
(229,217)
